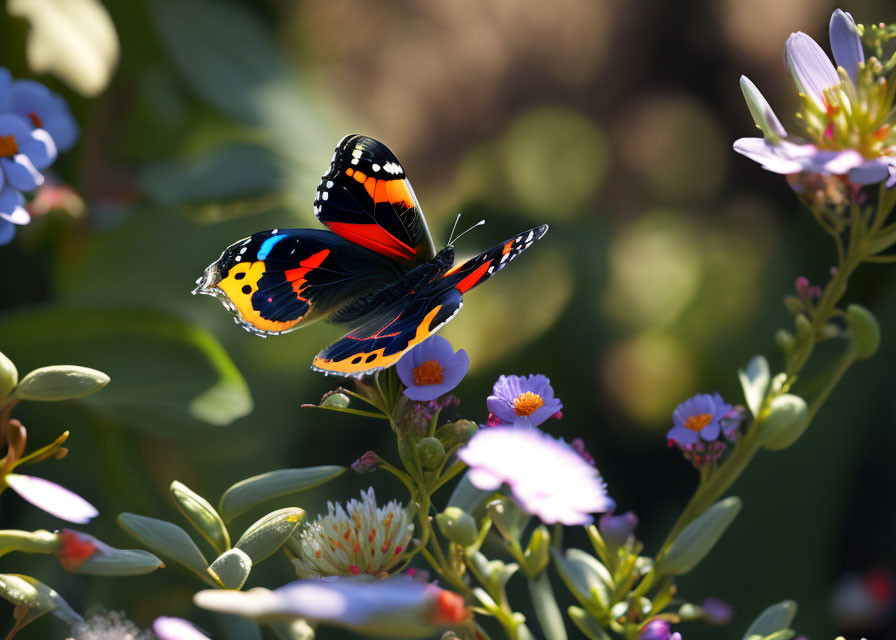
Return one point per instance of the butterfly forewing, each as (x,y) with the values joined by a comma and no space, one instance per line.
(366,198)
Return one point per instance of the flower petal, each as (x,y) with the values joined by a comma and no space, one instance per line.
(501,408)
(167,628)
(12,207)
(21,173)
(810,67)
(872,171)
(40,148)
(767,154)
(762,113)
(846,43)
(7,232)
(52,498)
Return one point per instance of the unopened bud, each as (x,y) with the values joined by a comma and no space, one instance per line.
(865,330)
(431,453)
(335,399)
(785,340)
(616,530)
(458,526)
(794,305)
(9,377)
(787,419)
(455,434)
(538,551)
(367,463)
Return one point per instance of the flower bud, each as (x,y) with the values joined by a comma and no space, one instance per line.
(698,538)
(794,305)
(865,330)
(367,463)
(803,327)
(786,421)
(785,340)
(762,113)
(616,530)
(82,553)
(456,434)
(656,629)
(458,526)
(9,376)
(431,453)
(335,399)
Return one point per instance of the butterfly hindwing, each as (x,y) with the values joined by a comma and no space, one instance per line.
(366,198)
(276,280)
(382,337)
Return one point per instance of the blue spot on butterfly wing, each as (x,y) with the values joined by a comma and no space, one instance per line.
(268,244)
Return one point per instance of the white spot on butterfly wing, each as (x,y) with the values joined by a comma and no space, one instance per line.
(392,167)
(354,161)
(375,166)
(329,184)
(325,195)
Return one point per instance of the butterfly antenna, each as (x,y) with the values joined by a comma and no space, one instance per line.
(453,229)
(478,224)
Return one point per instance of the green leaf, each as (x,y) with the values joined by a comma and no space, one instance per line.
(36,597)
(585,577)
(270,533)
(166,539)
(546,610)
(60,382)
(253,491)
(202,516)
(698,538)
(119,562)
(754,381)
(777,617)
(166,372)
(231,569)
(587,624)
(9,376)
(865,330)
(225,172)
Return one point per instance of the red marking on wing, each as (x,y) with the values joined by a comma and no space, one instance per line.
(470,281)
(297,275)
(507,247)
(374,237)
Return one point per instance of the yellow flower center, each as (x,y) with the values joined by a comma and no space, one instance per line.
(696,423)
(8,146)
(427,373)
(526,403)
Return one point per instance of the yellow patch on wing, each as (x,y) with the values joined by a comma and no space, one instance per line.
(359,363)
(239,285)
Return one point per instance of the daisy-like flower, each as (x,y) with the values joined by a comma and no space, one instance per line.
(846,114)
(23,153)
(432,368)
(355,539)
(108,625)
(51,497)
(395,607)
(523,400)
(698,418)
(43,108)
(547,477)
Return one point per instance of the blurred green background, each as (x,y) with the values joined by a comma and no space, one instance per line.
(663,272)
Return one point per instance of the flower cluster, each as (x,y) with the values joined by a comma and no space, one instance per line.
(35,124)
(846,115)
(699,422)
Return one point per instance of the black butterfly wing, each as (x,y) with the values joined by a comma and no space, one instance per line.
(366,198)
(388,333)
(275,281)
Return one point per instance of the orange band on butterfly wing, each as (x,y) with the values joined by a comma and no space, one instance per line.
(297,275)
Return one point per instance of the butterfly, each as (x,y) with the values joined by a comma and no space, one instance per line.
(375,269)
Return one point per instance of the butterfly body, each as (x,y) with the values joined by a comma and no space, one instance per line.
(375,269)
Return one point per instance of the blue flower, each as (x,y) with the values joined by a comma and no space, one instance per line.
(698,417)
(23,153)
(523,400)
(432,369)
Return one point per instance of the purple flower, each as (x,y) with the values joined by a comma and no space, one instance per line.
(716,611)
(45,110)
(52,498)
(397,606)
(432,368)
(656,629)
(837,139)
(547,477)
(696,418)
(616,530)
(523,400)
(23,152)
(168,628)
